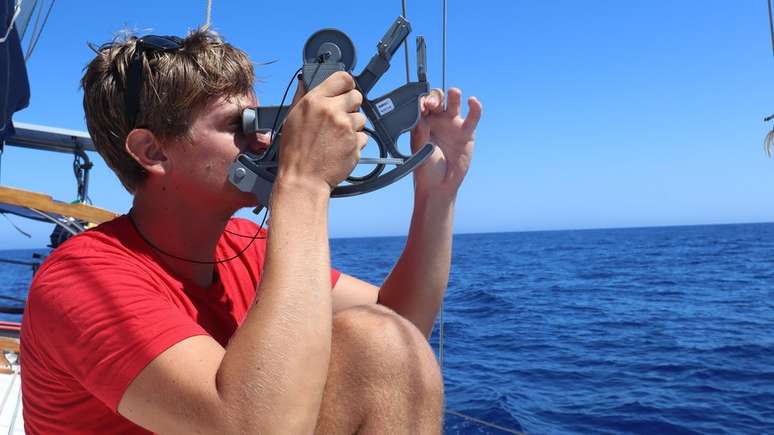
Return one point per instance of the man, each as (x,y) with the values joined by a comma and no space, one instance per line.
(175,319)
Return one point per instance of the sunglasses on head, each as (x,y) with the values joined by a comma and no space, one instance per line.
(147,44)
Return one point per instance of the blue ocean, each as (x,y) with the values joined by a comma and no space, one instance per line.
(664,330)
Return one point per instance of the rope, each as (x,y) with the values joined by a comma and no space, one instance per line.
(485,423)
(405,45)
(209,14)
(15,226)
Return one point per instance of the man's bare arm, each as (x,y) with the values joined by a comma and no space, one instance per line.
(270,378)
(272,374)
(416,285)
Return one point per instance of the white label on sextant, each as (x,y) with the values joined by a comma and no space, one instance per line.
(385,106)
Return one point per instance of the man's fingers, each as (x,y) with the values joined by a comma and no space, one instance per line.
(349,101)
(362,141)
(420,135)
(352,101)
(358,121)
(453,101)
(263,140)
(474,114)
(432,102)
(338,83)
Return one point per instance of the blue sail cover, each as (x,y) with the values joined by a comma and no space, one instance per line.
(14,85)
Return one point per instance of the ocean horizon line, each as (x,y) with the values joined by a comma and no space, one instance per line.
(556,230)
(551,230)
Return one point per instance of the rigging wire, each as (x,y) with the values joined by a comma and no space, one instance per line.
(71,227)
(443,57)
(209,14)
(405,44)
(443,88)
(771,28)
(35,25)
(36,36)
(768,142)
(485,423)
(441,319)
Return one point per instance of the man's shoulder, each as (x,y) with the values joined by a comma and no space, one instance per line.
(97,251)
(108,238)
(99,269)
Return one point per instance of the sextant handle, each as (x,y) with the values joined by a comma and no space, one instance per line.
(390,177)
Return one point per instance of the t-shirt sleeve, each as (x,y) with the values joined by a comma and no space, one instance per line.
(102,320)
(335,274)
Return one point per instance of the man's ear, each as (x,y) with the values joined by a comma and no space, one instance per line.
(147,150)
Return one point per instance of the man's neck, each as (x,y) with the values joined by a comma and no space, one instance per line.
(178,229)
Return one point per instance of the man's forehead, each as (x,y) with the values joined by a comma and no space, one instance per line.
(230,104)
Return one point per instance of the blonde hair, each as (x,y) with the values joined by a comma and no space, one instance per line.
(175,85)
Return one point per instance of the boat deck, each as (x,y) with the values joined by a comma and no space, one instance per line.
(11,421)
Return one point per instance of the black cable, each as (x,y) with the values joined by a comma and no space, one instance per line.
(161,251)
(282,104)
(245,236)
(253,237)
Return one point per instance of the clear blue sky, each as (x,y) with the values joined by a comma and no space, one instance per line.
(596,113)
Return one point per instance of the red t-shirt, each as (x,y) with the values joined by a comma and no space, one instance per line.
(101,308)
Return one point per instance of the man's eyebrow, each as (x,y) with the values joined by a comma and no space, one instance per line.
(232,113)
(237,111)
(242,106)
